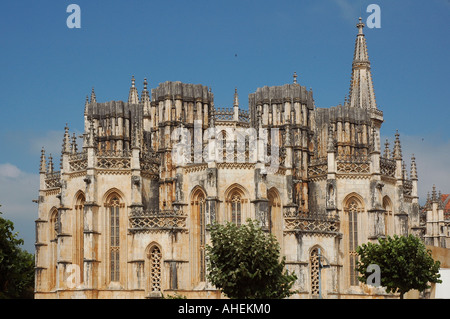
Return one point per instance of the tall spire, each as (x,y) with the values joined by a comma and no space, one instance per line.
(133,97)
(362,94)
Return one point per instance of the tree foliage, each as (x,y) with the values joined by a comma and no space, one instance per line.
(404,262)
(244,262)
(16,265)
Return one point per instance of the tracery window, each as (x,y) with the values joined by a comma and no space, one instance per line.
(236,204)
(236,207)
(388,216)
(155,257)
(114,247)
(314,261)
(352,209)
(198,206)
(79,233)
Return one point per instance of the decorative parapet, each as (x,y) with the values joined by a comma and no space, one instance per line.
(157,220)
(387,167)
(244,116)
(318,167)
(53,180)
(223,114)
(311,223)
(407,187)
(353,164)
(78,161)
(150,163)
(114,159)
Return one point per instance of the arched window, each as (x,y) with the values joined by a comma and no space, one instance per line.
(236,200)
(198,207)
(236,209)
(274,213)
(352,209)
(113,209)
(79,233)
(155,258)
(314,262)
(388,217)
(53,234)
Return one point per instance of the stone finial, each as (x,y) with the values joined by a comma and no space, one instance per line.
(93,97)
(330,144)
(50,167)
(413,168)
(66,141)
(90,139)
(86,104)
(133,96)
(360,26)
(387,152)
(295,77)
(74,147)
(433,194)
(42,167)
(236,98)
(404,171)
(145,96)
(397,154)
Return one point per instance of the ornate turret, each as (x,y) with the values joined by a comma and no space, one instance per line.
(362,94)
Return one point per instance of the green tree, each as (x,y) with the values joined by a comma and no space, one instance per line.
(244,262)
(404,263)
(16,265)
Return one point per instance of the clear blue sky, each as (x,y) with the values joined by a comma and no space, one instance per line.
(48,69)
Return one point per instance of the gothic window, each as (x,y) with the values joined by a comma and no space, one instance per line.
(314,261)
(352,210)
(79,232)
(388,216)
(236,209)
(114,237)
(236,204)
(198,206)
(274,212)
(54,229)
(155,257)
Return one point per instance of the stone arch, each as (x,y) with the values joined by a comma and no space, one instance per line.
(107,196)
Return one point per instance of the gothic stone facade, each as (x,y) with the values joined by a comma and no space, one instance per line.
(122,219)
